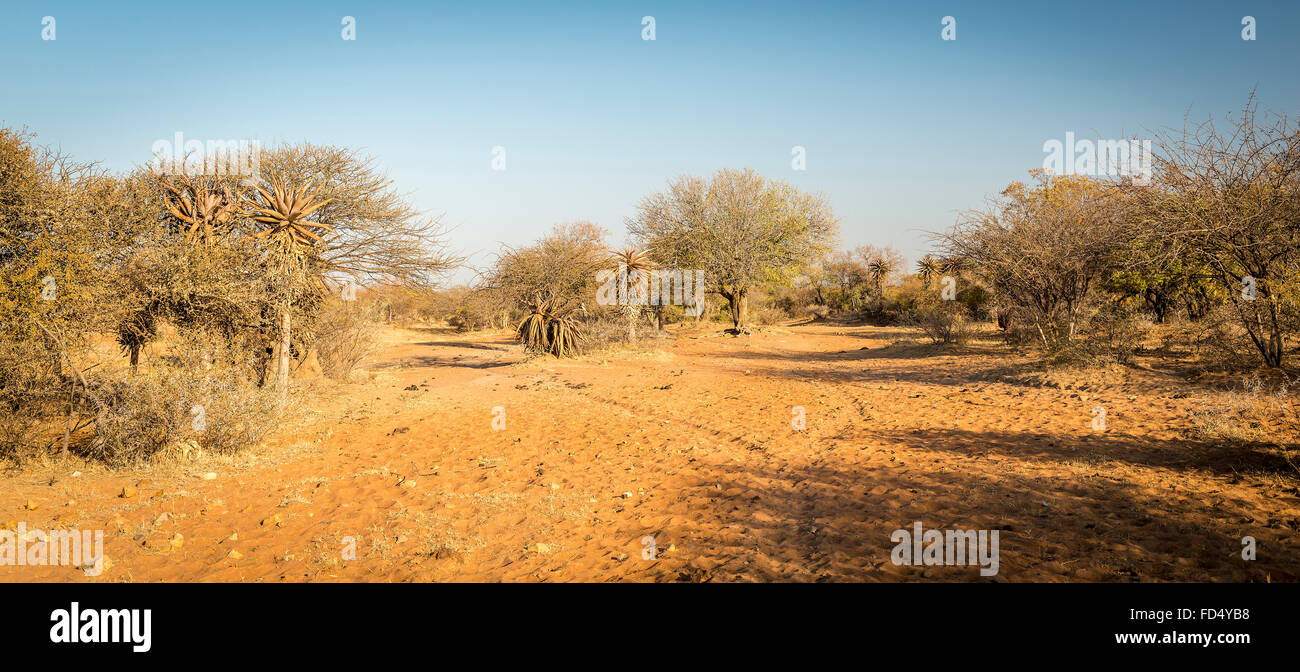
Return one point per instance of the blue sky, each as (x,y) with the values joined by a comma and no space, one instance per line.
(902,129)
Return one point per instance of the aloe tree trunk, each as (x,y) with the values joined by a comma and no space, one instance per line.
(630,313)
(282,372)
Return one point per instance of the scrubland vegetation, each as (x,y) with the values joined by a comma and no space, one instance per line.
(210,290)
(133,306)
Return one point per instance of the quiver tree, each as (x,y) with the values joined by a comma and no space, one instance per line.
(637,265)
(203,208)
(928,268)
(878,269)
(324,215)
(291,247)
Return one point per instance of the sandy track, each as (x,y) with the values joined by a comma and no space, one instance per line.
(694,447)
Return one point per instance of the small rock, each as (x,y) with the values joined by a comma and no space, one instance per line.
(95,569)
(31,506)
(273,520)
(543,548)
(210,476)
(178,540)
(627,495)
(76,474)
(234,536)
(235,555)
(128,492)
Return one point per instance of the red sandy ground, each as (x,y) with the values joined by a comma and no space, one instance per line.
(694,447)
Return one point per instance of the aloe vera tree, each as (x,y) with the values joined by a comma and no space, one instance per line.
(292,241)
(637,265)
(324,213)
(204,209)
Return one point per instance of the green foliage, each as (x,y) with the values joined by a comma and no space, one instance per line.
(740,228)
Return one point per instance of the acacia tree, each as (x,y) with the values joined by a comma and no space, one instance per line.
(182,265)
(559,267)
(1042,247)
(375,235)
(843,277)
(65,228)
(740,228)
(1230,201)
(1162,282)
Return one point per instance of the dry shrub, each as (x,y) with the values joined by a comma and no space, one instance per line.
(20,435)
(607,332)
(1039,248)
(1222,342)
(1112,336)
(467,309)
(467,318)
(945,322)
(1019,334)
(1123,336)
(344,335)
(768,315)
(1256,412)
(604,333)
(31,390)
(179,400)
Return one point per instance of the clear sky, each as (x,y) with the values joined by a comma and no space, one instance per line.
(901,128)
